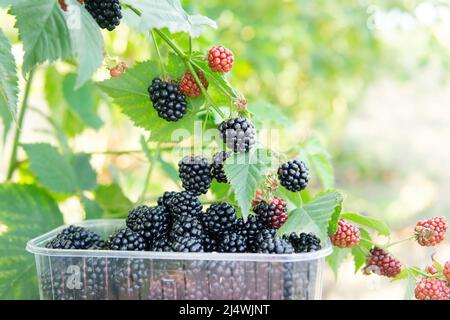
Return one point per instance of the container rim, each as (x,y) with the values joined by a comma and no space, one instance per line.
(37,247)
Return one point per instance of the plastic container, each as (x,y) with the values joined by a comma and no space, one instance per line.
(113,275)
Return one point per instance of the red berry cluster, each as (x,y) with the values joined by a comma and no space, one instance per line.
(432,289)
(220,59)
(189,87)
(431,232)
(346,236)
(280,214)
(382,263)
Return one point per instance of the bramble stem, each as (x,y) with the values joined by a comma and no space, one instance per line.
(163,69)
(171,44)
(399,241)
(17,132)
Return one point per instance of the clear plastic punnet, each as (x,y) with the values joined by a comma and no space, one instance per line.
(143,275)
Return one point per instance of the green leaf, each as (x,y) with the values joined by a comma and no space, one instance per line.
(244,172)
(91,208)
(7,3)
(369,222)
(53,170)
(176,67)
(81,101)
(87,41)
(293,199)
(26,211)
(85,174)
(43,31)
(360,256)
(266,113)
(130,92)
(9,86)
(335,259)
(113,201)
(220,190)
(315,216)
(169,14)
(320,160)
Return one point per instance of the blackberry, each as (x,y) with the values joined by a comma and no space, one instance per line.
(216,168)
(187,244)
(185,204)
(303,242)
(107,13)
(129,277)
(189,86)
(165,198)
(162,244)
(167,99)
(250,229)
(238,134)
(233,242)
(126,239)
(273,215)
(268,242)
(219,218)
(432,289)
(382,263)
(187,227)
(194,174)
(346,236)
(220,59)
(431,232)
(293,175)
(134,216)
(209,243)
(152,223)
(260,237)
(74,237)
(96,279)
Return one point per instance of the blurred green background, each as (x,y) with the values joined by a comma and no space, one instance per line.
(369,79)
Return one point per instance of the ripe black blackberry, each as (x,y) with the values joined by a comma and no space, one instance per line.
(107,13)
(238,134)
(187,244)
(268,242)
(303,242)
(167,99)
(233,242)
(249,229)
(187,227)
(216,168)
(150,222)
(210,244)
(126,239)
(74,237)
(165,198)
(184,204)
(162,244)
(219,218)
(293,175)
(96,278)
(194,174)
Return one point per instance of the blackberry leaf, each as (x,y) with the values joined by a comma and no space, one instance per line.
(369,222)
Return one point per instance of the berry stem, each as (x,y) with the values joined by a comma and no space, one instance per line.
(163,69)
(17,132)
(399,241)
(146,182)
(171,44)
(363,250)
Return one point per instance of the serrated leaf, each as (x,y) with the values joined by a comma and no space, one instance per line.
(315,216)
(176,67)
(26,211)
(85,174)
(335,259)
(53,170)
(130,92)
(81,101)
(267,113)
(168,14)
(360,256)
(91,208)
(293,199)
(113,201)
(369,222)
(87,41)
(43,31)
(9,87)
(244,172)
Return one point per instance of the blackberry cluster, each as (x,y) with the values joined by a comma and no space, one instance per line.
(194,174)
(150,222)
(167,99)
(216,168)
(219,218)
(238,134)
(107,13)
(303,242)
(293,175)
(74,237)
(126,239)
(273,215)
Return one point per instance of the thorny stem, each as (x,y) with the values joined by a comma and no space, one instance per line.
(23,108)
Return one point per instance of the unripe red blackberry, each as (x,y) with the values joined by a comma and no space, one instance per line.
(431,232)
(432,289)
(346,236)
(167,99)
(273,215)
(194,174)
(238,134)
(447,270)
(293,175)
(189,87)
(107,13)
(220,59)
(216,167)
(382,263)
